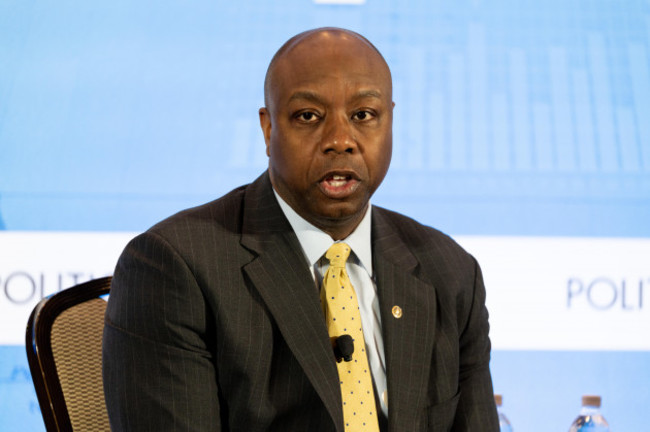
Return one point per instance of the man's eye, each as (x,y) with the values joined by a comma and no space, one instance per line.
(362,115)
(307,116)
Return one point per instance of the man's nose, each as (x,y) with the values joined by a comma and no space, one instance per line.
(339,136)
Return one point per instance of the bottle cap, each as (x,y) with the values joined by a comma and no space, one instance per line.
(498,399)
(591,400)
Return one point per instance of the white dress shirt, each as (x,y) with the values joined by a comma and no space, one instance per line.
(314,244)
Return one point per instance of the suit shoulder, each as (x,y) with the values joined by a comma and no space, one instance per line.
(218,217)
(420,238)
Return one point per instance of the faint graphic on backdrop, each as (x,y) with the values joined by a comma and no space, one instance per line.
(529,114)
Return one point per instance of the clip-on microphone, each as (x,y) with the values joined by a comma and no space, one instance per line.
(343,348)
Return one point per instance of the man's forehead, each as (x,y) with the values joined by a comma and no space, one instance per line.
(325,51)
(320,82)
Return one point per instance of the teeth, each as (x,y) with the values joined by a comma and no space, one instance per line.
(338,180)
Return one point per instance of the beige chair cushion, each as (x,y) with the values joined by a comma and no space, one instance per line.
(77,347)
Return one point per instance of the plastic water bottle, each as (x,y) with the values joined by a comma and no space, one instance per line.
(504,423)
(590,419)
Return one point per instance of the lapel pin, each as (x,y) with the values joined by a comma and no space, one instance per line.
(397,312)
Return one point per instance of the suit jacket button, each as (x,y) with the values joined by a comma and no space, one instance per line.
(397,312)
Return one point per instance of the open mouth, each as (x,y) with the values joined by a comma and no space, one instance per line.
(338,185)
(336,180)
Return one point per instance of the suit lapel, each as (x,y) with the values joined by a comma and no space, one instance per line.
(408,339)
(281,275)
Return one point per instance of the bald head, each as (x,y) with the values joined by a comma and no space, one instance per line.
(322,40)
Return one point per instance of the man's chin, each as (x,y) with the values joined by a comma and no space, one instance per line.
(341,214)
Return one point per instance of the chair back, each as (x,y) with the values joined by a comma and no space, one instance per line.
(64,351)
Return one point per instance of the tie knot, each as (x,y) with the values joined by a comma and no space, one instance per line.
(338,254)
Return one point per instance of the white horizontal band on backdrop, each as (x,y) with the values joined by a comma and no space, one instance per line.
(543,293)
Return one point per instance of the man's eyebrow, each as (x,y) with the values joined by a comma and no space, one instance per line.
(368,93)
(315,98)
(306,95)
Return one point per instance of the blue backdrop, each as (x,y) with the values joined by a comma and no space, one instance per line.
(513,117)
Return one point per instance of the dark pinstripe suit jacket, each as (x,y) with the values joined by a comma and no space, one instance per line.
(214,323)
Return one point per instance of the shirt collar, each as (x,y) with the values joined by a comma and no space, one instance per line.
(315,242)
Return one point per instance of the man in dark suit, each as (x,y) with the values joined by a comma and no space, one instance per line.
(214,320)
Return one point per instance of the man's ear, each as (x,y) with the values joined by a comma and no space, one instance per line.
(265,123)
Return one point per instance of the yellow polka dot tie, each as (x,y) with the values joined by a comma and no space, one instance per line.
(342,315)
